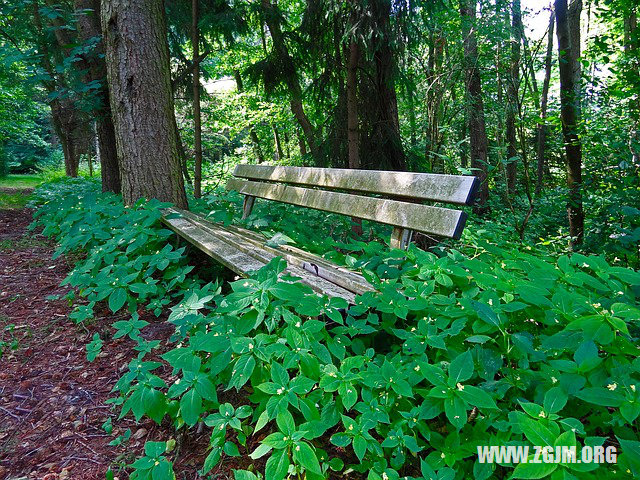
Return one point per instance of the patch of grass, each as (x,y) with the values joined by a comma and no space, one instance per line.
(13,200)
(21,181)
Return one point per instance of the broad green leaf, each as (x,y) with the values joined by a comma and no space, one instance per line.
(191,407)
(117,299)
(461,368)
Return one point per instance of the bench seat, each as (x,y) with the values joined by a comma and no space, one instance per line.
(409,202)
(244,251)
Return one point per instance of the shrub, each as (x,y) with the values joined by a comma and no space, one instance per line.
(455,351)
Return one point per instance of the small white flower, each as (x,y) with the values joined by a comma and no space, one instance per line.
(442,455)
(541,414)
(612,386)
(632,387)
(460,386)
(554,380)
(350,427)
(297,448)
(280,391)
(417,368)
(251,346)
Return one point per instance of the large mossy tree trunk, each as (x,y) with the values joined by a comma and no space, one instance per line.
(137,57)
(475,105)
(89,28)
(569,102)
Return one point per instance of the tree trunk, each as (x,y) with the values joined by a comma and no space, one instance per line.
(385,62)
(277,151)
(197,123)
(632,50)
(477,129)
(88,19)
(301,144)
(353,134)
(569,113)
(434,99)
(63,113)
(411,102)
(352,105)
(272,19)
(137,58)
(573,19)
(512,101)
(542,126)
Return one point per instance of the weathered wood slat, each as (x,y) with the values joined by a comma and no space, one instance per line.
(423,218)
(224,253)
(348,279)
(254,244)
(235,253)
(457,189)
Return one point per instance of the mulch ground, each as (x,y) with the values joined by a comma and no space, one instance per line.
(52,400)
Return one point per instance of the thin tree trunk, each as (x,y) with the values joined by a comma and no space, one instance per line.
(434,99)
(411,100)
(197,121)
(88,19)
(631,49)
(477,128)
(512,101)
(291,77)
(352,105)
(137,57)
(277,151)
(542,125)
(569,113)
(353,140)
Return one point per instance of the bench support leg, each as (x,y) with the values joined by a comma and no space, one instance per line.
(247,205)
(400,238)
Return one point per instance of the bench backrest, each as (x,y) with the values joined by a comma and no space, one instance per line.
(397,201)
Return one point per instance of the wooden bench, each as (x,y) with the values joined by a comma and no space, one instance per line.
(392,198)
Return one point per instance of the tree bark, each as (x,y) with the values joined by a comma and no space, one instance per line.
(573,18)
(513,100)
(542,126)
(277,150)
(137,57)
(353,140)
(88,20)
(385,62)
(477,128)
(197,121)
(63,113)
(569,113)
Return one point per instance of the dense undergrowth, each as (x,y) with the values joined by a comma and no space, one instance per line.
(494,346)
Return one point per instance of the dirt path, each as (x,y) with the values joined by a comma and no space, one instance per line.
(51,398)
